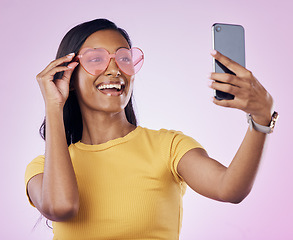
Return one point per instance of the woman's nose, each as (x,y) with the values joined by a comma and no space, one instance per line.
(112,68)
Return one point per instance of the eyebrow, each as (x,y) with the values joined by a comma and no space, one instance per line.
(102,48)
(115,50)
(122,47)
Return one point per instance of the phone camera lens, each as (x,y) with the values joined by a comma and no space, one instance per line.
(218,28)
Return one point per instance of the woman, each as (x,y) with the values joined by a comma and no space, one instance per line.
(104,177)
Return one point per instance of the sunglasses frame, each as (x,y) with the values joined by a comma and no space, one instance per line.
(111,56)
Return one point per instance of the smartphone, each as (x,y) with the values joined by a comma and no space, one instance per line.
(229,40)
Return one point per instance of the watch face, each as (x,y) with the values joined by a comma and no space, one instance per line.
(275,117)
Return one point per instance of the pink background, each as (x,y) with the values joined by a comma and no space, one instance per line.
(171,92)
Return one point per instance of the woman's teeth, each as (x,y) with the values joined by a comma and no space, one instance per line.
(110,86)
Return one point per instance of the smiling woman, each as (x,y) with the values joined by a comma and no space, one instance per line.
(86,84)
(72,44)
(104,177)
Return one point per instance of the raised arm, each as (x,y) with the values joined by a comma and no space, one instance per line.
(55,192)
(207,176)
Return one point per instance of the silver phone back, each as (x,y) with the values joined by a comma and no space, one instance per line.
(228,39)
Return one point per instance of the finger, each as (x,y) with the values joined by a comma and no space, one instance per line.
(58,62)
(225,103)
(235,103)
(72,65)
(230,64)
(224,87)
(67,74)
(228,78)
(49,76)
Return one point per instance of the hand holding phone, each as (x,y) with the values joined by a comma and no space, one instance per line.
(228,39)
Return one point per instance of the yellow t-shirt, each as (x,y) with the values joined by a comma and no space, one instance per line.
(129,187)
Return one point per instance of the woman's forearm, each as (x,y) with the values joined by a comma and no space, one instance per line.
(59,196)
(239,177)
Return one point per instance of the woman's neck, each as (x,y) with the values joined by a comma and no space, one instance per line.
(102,127)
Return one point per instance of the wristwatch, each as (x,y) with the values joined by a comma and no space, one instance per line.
(261,128)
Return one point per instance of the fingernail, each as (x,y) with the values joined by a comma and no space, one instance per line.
(209,75)
(213,52)
(70,55)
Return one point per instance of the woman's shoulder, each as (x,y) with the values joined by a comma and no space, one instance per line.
(162,134)
(170,136)
(161,131)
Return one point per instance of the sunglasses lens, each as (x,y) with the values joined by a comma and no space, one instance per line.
(94,61)
(137,58)
(129,61)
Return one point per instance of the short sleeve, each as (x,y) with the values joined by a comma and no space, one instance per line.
(34,168)
(180,145)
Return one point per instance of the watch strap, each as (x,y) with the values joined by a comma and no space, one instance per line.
(261,128)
